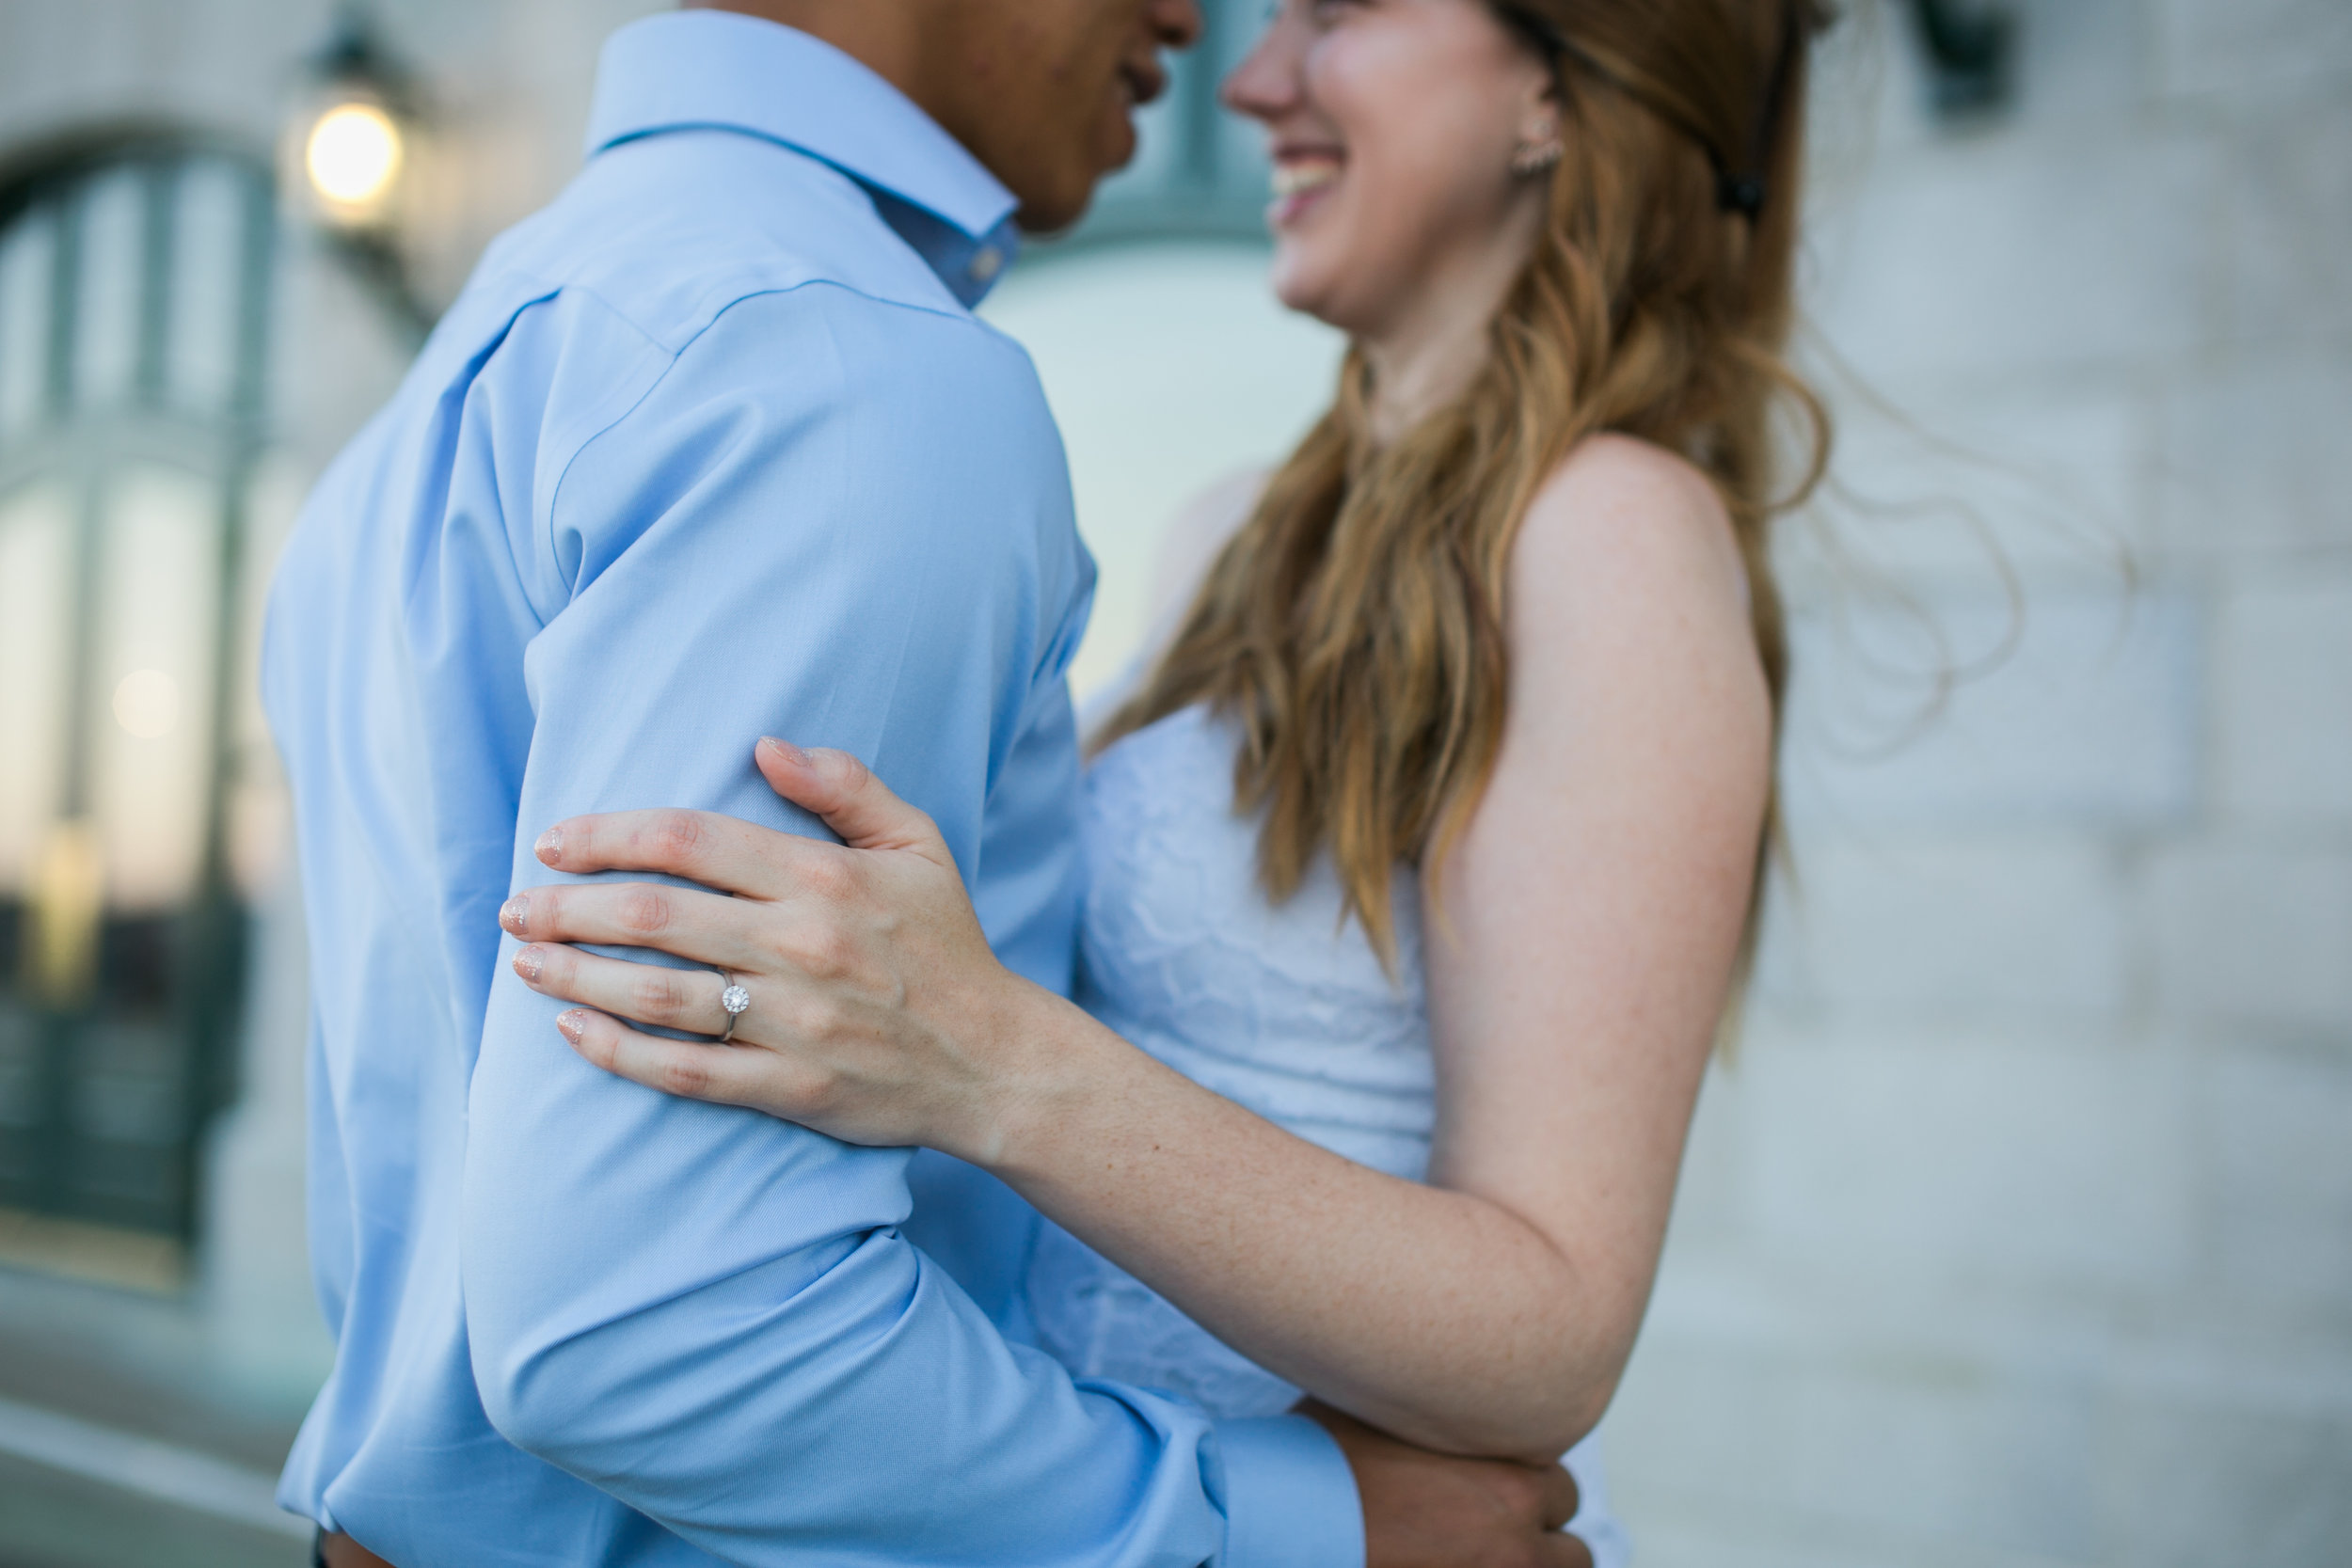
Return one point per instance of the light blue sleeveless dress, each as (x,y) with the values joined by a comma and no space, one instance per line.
(1279,1007)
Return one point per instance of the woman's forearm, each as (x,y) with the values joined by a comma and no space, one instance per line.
(1489,1313)
(1438,1315)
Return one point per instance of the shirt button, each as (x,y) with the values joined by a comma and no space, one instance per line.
(986,264)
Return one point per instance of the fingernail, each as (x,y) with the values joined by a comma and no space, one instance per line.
(529,961)
(786,749)
(572,1025)
(515,912)
(550,846)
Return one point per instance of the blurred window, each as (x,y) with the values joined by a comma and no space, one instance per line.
(135,284)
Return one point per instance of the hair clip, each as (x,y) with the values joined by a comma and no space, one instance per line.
(1742,194)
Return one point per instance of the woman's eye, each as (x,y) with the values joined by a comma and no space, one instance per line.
(1318,13)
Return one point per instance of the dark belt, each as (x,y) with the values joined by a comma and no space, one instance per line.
(342,1551)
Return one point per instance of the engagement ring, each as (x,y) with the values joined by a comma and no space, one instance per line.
(736,1000)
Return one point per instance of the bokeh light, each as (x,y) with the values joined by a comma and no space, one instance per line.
(146,704)
(353,156)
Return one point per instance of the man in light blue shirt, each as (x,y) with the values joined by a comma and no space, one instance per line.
(712,448)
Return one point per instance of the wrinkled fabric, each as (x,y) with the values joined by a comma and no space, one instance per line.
(712,448)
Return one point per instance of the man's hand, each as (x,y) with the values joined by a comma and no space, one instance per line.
(1425,1509)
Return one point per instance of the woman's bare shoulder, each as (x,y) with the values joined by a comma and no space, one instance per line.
(1623,498)
(1622,523)
(1627,580)
(1196,533)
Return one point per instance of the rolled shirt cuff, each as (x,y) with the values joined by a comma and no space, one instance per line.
(1290,1498)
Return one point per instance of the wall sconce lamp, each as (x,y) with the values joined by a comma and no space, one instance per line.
(353,154)
(350,152)
(1971,54)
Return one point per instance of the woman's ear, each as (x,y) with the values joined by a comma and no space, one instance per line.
(1538,146)
(1541,109)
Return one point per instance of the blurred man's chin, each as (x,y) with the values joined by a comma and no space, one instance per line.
(1120,145)
(1050,214)
(1047,215)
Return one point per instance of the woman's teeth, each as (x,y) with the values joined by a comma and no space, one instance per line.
(1305,174)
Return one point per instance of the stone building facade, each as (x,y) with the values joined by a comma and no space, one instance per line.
(2022,1231)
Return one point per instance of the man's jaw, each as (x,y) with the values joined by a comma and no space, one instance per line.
(1141,79)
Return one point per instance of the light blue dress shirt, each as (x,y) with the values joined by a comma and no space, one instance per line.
(710,448)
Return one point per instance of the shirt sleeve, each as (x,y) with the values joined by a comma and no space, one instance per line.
(829,520)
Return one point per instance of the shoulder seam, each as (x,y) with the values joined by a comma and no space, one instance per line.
(727,291)
(653,383)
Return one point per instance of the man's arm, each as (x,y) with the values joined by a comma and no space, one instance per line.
(707,1313)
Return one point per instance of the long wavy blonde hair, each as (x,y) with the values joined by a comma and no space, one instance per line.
(1353,626)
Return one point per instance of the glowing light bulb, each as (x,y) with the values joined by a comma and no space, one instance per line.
(146,704)
(353,156)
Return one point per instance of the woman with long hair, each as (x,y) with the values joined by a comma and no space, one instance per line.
(1422,855)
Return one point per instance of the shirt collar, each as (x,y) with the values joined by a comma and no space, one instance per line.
(714,69)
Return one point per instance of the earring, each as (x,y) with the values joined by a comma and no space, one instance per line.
(1534,157)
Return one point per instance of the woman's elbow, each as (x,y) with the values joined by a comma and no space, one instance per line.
(1533,1428)
(1569,1422)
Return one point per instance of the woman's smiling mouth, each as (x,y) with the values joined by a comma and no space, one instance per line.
(1299,177)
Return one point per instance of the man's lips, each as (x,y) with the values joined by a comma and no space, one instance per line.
(1146,80)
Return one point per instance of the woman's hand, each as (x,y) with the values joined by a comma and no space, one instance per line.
(878,1013)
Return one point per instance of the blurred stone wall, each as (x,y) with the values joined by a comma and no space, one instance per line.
(2019,1231)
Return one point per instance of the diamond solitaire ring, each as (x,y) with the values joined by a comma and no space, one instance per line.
(736,1000)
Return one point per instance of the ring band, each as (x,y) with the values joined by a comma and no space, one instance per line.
(735,1002)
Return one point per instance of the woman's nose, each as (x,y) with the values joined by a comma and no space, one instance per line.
(1267,82)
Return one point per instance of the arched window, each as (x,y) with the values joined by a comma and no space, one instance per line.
(134,299)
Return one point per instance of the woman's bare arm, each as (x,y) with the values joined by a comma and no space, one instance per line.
(1581,939)
(1193,537)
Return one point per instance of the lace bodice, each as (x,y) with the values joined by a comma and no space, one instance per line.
(1280,1008)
